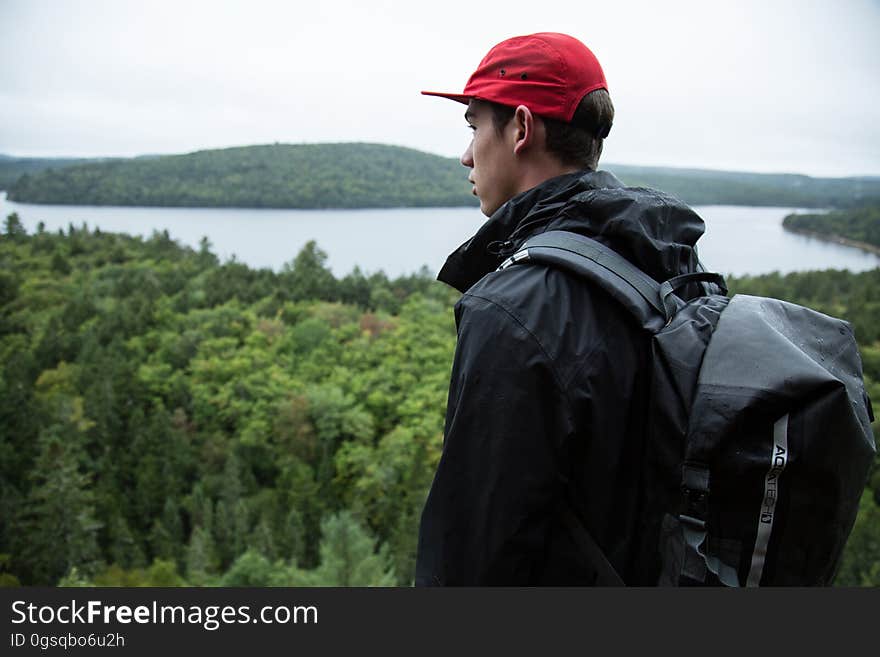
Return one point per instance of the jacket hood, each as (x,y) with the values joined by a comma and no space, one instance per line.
(653,230)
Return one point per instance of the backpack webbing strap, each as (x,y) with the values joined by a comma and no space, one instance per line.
(605,573)
(699,565)
(644,297)
(637,291)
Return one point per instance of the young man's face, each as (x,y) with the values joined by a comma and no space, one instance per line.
(491,158)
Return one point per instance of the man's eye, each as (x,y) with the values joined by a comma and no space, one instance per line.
(471,127)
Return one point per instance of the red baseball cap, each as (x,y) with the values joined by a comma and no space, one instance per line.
(548,72)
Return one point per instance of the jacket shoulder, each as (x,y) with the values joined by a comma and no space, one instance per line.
(569,318)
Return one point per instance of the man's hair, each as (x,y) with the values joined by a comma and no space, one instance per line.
(578,143)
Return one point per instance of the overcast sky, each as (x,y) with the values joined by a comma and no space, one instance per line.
(771,86)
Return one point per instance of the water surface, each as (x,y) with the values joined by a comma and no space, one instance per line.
(739,240)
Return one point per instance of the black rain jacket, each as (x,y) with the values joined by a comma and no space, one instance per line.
(548,394)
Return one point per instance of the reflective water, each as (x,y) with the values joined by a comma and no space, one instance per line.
(739,240)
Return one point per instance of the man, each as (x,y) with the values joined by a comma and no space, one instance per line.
(547,400)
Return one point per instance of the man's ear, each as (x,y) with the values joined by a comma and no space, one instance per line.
(524,126)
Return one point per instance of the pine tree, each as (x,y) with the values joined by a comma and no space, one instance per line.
(166,534)
(201,557)
(230,515)
(348,557)
(13,228)
(123,548)
(58,522)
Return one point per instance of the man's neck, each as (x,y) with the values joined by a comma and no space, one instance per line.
(542,170)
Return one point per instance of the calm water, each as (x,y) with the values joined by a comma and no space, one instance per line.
(738,240)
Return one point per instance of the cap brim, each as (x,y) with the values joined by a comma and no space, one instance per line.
(459,98)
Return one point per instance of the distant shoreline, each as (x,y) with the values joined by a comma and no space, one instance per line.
(468,202)
(366,175)
(837,239)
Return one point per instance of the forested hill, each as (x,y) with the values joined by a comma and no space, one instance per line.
(359,175)
(860,225)
(706,187)
(12,168)
(269,176)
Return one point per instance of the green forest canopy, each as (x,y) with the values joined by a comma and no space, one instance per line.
(12,168)
(169,419)
(358,175)
(270,176)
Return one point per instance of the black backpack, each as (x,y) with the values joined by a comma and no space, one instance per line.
(760,435)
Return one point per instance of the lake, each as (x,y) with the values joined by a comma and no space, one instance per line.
(739,240)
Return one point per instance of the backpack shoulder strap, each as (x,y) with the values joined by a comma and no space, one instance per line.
(637,291)
(652,304)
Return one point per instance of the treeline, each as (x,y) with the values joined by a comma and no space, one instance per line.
(857,225)
(13,168)
(169,419)
(700,187)
(270,176)
(358,175)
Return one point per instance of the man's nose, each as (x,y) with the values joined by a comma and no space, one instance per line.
(467,158)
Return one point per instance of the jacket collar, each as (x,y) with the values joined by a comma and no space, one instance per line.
(515,221)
